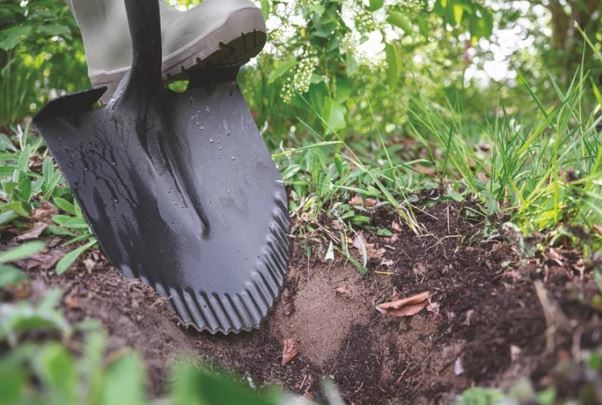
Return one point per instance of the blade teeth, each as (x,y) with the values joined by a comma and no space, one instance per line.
(276,270)
(195,310)
(225,318)
(259,298)
(233,315)
(277,251)
(270,284)
(210,315)
(179,305)
(251,306)
(279,235)
(243,311)
(159,288)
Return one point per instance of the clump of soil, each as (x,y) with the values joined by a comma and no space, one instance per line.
(484,323)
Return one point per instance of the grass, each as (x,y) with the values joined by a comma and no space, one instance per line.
(543,172)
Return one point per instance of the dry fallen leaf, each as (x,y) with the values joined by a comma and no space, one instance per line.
(90,264)
(345,291)
(420,269)
(357,200)
(554,256)
(597,229)
(44,212)
(406,306)
(369,202)
(289,351)
(395,226)
(34,232)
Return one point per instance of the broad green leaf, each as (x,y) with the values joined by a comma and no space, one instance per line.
(394,63)
(199,387)
(20,252)
(64,205)
(23,316)
(7,216)
(56,369)
(123,382)
(333,115)
(10,275)
(265,9)
(55,29)
(400,20)
(374,5)
(281,70)
(10,37)
(72,256)
(458,11)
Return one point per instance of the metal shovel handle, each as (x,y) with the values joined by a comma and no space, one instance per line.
(145,31)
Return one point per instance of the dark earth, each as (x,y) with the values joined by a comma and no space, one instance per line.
(484,323)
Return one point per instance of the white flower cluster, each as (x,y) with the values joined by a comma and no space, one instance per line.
(299,81)
(364,20)
(413,6)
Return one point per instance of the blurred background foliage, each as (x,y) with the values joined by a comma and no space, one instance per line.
(339,64)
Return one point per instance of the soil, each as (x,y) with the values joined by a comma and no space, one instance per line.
(484,322)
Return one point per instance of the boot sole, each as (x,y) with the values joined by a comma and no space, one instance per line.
(242,42)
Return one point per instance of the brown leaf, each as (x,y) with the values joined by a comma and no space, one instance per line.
(426,170)
(44,212)
(369,202)
(357,200)
(420,269)
(289,351)
(406,306)
(90,264)
(45,260)
(597,229)
(554,256)
(344,291)
(395,226)
(34,232)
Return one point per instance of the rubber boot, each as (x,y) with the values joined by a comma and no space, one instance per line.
(213,34)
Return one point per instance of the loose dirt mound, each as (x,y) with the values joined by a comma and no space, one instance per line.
(484,322)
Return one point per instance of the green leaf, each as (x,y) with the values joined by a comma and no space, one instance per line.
(10,275)
(394,63)
(64,205)
(11,37)
(400,20)
(21,252)
(56,369)
(124,382)
(458,12)
(55,29)
(72,256)
(384,232)
(22,316)
(281,70)
(199,387)
(334,115)
(374,5)
(480,396)
(8,216)
(265,9)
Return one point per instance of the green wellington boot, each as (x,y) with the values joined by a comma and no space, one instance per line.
(215,33)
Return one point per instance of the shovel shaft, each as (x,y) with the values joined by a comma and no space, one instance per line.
(145,30)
